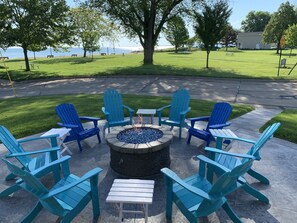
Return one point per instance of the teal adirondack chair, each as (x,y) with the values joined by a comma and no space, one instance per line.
(30,161)
(114,109)
(196,197)
(67,198)
(232,160)
(179,107)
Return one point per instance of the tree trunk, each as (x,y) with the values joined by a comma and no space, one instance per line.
(85,53)
(207,57)
(175,49)
(278,47)
(148,52)
(27,65)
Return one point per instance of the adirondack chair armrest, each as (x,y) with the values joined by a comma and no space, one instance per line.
(92,173)
(92,119)
(33,152)
(159,110)
(172,175)
(219,126)
(131,111)
(186,111)
(104,111)
(202,118)
(204,160)
(214,150)
(67,125)
(50,166)
(38,138)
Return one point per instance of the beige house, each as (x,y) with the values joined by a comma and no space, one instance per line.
(251,41)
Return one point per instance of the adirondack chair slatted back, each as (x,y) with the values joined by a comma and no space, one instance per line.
(225,184)
(180,102)
(13,146)
(34,186)
(68,115)
(265,136)
(219,114)
(113,104)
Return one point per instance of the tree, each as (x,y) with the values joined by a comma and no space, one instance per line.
(279,22)
(89,28)
(35,22)
(176,32)
(291,36)
(141,18)
(210,24)
(255,21)
(230,37)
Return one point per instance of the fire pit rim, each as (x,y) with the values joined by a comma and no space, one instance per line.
(131,148)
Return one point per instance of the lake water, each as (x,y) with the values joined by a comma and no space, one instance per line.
(16,52)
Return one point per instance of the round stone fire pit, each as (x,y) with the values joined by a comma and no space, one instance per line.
(140,150)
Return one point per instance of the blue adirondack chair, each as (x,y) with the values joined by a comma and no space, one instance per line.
(196,197)
(217,120)
(179,107)
(114,109)
(232,160)
(67,198)
(30,161)
(70,119)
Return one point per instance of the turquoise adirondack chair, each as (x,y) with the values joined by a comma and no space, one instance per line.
(30,161)
(67,198)
(114,109)
(196,197)
(70,119)
(179,107)
(217,120)
(232,160)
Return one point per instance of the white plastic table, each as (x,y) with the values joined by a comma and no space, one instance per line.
(143,111)
(220,134)
(63,133)
(131,191)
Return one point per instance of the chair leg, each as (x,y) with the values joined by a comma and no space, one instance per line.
(10,176)
(29,218)
(189,138)
(258,176)
(98,136)
(79,145)
(180,132)
(255,193)
(233,216)
(10,190)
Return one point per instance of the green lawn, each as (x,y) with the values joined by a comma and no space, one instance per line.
(288,120)
(30,115)
(238,64)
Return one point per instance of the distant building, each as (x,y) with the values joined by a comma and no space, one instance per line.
(251,41)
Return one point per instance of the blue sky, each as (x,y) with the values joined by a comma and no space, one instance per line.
(240,8)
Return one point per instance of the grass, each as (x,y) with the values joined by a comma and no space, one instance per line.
(288,120)
(261,64)
(31,115)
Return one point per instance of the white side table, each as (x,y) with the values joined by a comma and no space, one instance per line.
(220,134)
(63,133)
(131,191)
(150,112)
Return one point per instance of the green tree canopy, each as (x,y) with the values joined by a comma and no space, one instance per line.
(279,22)
(176,32)
(230,36)
(255,21)
(89,27)
(35,22)
(211,24)
(291,36)
(141,18)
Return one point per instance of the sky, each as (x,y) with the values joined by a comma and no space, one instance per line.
(240,9)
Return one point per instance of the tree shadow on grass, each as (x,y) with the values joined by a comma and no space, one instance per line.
(71,60)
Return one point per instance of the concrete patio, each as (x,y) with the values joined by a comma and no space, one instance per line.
(278,164)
